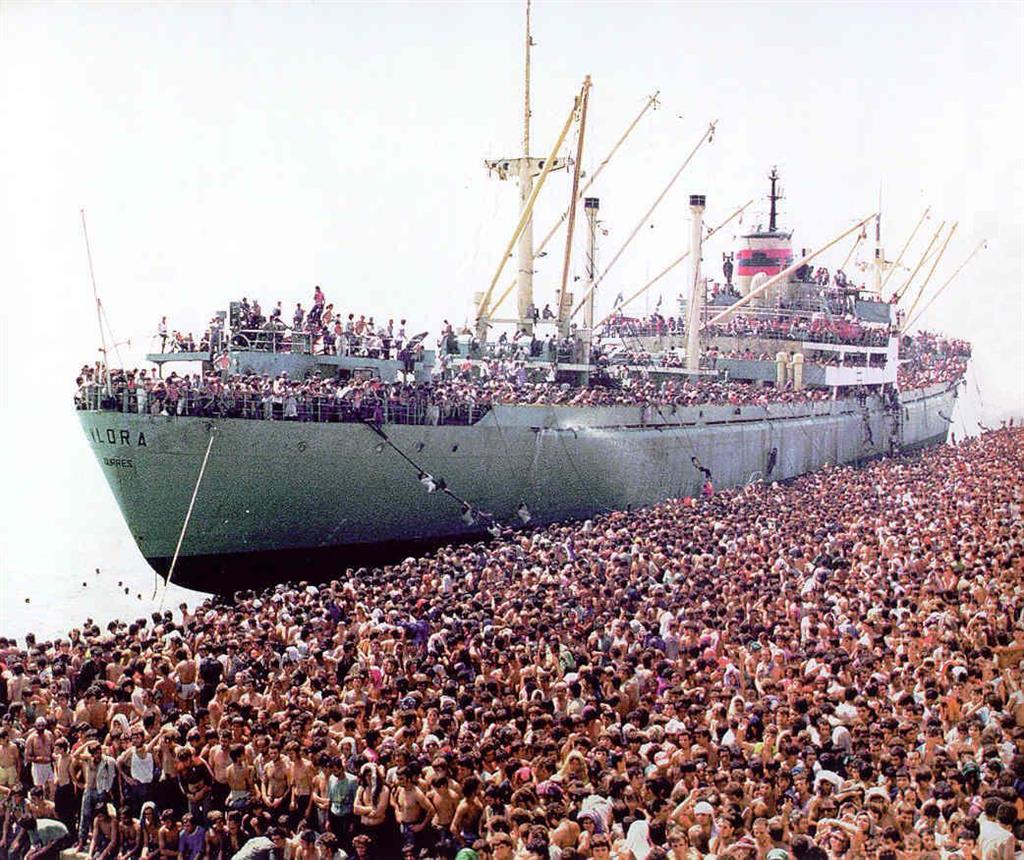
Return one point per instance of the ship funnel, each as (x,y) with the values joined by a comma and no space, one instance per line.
(696,288)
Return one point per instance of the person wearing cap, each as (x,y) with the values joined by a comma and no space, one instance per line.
(704,828)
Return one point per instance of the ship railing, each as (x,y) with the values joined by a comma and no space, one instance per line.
(288,340)
(864,337)
(620,330)
(323,409)
(272,340)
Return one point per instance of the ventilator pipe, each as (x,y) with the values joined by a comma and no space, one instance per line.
(639,292)
(798,371)
(781,367)
(696,288)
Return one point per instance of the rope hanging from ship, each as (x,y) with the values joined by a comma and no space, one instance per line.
(212,430)
(470,514)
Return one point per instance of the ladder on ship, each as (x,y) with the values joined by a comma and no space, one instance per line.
(896,414)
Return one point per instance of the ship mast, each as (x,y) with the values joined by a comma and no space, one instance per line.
(652,101)
(525,169)
(774,196)
(525,278)
(99,307)
(526,87)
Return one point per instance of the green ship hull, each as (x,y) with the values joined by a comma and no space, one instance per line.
(288,500)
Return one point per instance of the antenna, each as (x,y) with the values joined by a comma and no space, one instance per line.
(99,306)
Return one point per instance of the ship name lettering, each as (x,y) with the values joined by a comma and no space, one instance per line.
(118,437)
(123,462)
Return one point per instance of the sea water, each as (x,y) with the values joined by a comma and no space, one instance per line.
(67,554)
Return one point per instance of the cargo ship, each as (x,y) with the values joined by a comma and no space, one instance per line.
(225,494)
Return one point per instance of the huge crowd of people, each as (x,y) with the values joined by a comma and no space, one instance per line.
(465,385)
(931,358)
(320,330)
(795,327)
(828,668)
(802,328)
(465,389)
(461,397)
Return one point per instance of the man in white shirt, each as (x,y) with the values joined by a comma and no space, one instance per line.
(996,840)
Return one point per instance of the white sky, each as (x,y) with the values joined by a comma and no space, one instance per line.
(223,149)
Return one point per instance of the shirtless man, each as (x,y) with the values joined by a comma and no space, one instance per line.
(39,754)
(301,778)
(465,826)
(218,703)
(64,788)
(10,761)
(241,784)
(216,847)
(104,835)
(17,683)
(195,781)
(38,806)
(167,836)
(443,794)
(218,758)
(565,832)
(276,780)
(186,674)
(165,691)
(63,713)
(303,846)
(414,812)
(93,709)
